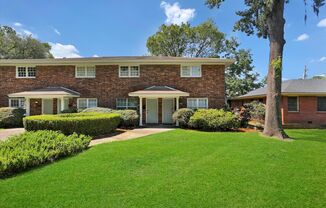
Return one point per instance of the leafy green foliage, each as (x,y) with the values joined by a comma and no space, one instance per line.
(93,124)
(182,116)
(14,46)
(11,117)
(97,110)
(214,120)
(32,149)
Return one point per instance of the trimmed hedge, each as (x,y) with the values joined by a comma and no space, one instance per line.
(97,110)
(214,120)
(32,149)
(11,117)
(183,116)
(93,124)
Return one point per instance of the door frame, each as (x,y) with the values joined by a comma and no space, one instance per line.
(173,106)
(156,109)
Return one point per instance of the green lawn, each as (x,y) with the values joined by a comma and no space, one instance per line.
(181,169)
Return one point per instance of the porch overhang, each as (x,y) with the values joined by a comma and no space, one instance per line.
(159,92)
(48,92)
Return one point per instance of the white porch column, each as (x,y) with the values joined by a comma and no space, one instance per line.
(28,106)
(177,108)
(62,104)
(140,111)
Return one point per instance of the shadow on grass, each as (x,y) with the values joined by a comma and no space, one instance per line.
(316,135)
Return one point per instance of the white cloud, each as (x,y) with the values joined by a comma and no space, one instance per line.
(59,50)
(18,24)
(302,37)
(95,56)
(28,33)
(57,31)
(322,23)
(322,59)
(176,15)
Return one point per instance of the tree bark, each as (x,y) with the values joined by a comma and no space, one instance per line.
(273,119)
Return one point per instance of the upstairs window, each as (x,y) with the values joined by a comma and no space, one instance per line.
(321,104)
(129,71)
(85,72)
(293,104)
(127,103)
(190,71)
(197,103)
(26,72)
(17,102)
(83,103)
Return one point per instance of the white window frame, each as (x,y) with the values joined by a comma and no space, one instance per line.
(191,72)
(127,104)
(20,101)
(298,105)
(320,111)
(26,71)
(129,71)
(197,102)
(86,69)
(87,102)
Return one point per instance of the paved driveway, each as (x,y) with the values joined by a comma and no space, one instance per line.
(5,133)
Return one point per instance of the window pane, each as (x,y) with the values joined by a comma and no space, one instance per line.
(81,71)
(122,103)
(91,71)
(292,104)
(17,103)
(21,71)
(92,103)
(124,71)
(82,103)
(192,103)
(196,71)
(31,71)
(185,71)
(132,103)
(134,71)
(202,103)
(321,102)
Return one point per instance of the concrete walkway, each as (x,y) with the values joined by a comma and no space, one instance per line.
(6,133)
(129,134)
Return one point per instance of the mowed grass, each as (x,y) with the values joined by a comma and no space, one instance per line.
(181,168)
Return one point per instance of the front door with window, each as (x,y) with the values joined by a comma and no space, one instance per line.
(151,111)
(47,106)
(167,111)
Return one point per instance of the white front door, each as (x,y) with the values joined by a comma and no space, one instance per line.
(47,106)
(151,111)
(167,110)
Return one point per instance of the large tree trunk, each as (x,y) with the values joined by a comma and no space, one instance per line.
(275,22)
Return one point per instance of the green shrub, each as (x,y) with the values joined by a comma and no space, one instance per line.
(182,116)
(93,124)
(11,117)
(70,110)
(256,110)
(215,120)
(31,149)
(129,118)
(97,110)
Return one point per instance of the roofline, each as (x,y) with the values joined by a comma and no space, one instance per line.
(283,94)
(117,60)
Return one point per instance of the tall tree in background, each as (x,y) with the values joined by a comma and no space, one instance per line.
(266,19)
(14,46)
(205,40)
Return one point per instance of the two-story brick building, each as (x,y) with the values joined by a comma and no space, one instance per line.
(155,86)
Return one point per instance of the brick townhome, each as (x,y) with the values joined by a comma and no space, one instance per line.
(303,102)
(155,86)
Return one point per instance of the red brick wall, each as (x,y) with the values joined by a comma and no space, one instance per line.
(107,86)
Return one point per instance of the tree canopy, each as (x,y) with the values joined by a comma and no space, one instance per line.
(205,40)
(15,46)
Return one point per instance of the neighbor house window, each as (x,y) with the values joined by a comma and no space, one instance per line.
(127,103)
(85,72)
(293,104)
(321,104)
(83,103)
(190,71)
(129,71)
(17,102)
(197,103)
(26,72)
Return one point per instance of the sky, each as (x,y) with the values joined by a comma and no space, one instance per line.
(121,27)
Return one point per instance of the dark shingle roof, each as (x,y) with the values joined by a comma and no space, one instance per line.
(296,86)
